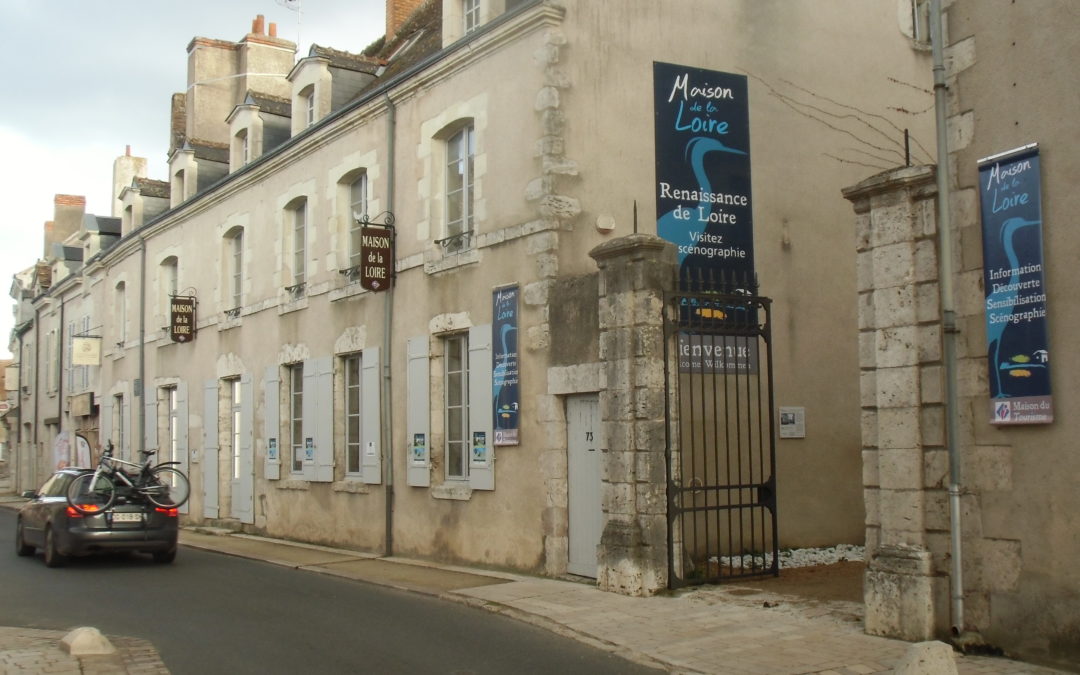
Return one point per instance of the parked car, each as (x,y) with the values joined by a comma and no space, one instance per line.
(50,523)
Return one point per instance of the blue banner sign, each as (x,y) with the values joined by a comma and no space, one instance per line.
(1018,350)
(703,201)
(505,382)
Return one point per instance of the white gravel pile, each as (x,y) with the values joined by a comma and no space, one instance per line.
(798,557)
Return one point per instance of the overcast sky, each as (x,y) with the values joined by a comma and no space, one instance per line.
(84,79)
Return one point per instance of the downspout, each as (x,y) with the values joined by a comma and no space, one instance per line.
(35,461)
(60,375)
(388,304)
(948,314)
(140,389)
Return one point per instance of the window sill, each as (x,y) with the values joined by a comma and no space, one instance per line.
(441,263)
(292,484)
(293,305)
(351,485)
(454,491)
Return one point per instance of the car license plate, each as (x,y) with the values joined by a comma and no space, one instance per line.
(127,517)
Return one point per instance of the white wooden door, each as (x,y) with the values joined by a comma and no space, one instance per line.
(584,441)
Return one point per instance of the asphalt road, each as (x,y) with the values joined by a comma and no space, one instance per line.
(210,613)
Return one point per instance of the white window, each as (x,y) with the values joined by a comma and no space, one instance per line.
(119,425)
(296,217)
(245,148)
(50,362)
(920,20)
(470,13)
(120,307)
(456,405)
(236,405)
(296,416)
(353,411)
(171,450)
(307,97)
(169,281)
(358,211)
(460,154)
(235,266)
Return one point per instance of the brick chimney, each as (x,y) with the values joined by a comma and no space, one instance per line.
(397,13)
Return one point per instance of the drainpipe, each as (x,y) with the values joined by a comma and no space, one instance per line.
(140,390)
(60,375)
(388,304)
(35,461)
(948,313)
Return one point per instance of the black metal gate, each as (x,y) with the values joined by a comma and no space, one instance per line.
(721,449)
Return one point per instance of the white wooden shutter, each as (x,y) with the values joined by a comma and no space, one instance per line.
(126,452)
(210,449)
(244,488)
(323,431)
(310,411)
(481,410)
(271,423)
(182,454)
(104,424)
(150,409)
(418,413)
(370,419)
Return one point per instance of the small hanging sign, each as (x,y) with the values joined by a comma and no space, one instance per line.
(182,318)
(377,265)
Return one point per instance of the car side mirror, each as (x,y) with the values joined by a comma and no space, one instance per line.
(29,494)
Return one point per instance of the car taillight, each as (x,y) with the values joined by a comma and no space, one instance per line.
(172,513)
(86,508)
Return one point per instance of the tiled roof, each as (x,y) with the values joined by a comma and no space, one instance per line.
(346,60)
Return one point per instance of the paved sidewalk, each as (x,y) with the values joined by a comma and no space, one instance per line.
(726,629)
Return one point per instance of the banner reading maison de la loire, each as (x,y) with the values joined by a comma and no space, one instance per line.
(703,202)
(1018,352)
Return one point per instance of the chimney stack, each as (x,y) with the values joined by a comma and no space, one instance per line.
(397,13)
(258,25)
(273,29)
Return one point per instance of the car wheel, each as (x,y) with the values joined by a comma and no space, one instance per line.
(164,557)
(21,547)
(53,557)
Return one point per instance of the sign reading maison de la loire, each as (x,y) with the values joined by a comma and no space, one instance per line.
(377,264)
(182,318)
(1018,351)
(703,201)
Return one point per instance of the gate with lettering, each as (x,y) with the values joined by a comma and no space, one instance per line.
(721,449)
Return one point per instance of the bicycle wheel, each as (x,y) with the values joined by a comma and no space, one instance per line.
(167,488)
(89,497)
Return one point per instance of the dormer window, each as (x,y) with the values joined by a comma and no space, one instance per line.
(470,14)
(245,148)
(307,97)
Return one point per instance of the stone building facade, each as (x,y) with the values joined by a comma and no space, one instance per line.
(507,143)
(1006,77)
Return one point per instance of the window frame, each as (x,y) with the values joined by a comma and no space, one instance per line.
(355,226)
(298,232)
(296,416)
(236,403)
(460,156)
(235,268)
(470,16)
(456,437)
(353,409)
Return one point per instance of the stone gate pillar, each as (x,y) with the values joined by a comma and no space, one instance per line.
(901,394)
(634,273)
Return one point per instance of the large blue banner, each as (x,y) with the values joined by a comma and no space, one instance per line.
(703,201)
(1018,351)
(505,381)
